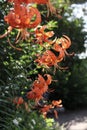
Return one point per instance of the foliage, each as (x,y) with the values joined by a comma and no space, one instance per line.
(78,89)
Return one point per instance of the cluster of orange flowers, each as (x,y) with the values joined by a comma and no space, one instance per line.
(24,16)
(40,86)
(59,46)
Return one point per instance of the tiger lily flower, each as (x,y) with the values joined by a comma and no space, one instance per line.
(42,36)
(48,59)
(57,103)
(20,18)
(40,86)
(65,43)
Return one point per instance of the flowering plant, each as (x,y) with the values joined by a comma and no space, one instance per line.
(25,18)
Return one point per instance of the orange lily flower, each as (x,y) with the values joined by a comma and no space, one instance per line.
(45,109)
(57,103)
(65,42)
(35,94)
(48,59)
(22,18)
(60,51)
(40,86)
(42,36)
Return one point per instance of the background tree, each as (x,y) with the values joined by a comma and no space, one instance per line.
(71,86)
